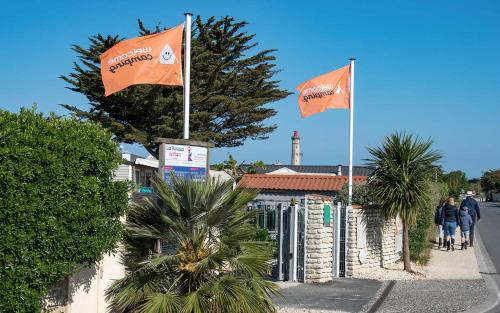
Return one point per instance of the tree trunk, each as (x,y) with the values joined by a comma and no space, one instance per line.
(406,249)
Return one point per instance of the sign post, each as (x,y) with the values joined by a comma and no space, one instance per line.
(188,159)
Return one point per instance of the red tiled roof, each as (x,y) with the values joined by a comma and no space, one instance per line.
(297,182)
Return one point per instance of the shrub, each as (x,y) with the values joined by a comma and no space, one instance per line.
(418,235)
(59,206)
(212,265)
(360,194)
(423,231)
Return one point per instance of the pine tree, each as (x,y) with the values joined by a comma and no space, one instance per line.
(231,83)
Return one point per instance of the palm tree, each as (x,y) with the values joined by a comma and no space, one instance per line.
(207,260)
(404,166)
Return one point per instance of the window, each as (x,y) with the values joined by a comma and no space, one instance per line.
(262,221)
(138,178)
(149,176)
(271,219)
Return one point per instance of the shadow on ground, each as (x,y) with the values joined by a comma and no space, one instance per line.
(346,295)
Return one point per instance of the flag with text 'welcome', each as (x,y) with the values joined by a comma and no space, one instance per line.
(328,91)
(151,59)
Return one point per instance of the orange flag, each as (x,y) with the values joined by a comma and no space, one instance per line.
(328,91)
(151,59)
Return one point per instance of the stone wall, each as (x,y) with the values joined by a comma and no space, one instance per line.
(371,240)
(319,241)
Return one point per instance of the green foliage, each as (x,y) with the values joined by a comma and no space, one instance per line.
(490,181)
(59,207)
(404,166)
(213,263)
(235,170)
(421,233)
(231,84)
(261,234)
(475,185)
(360,194)
(457,182)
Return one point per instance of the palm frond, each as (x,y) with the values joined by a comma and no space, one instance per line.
(216,267)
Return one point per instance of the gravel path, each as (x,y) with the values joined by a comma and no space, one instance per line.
(295,310)
(392,272)
(441,296)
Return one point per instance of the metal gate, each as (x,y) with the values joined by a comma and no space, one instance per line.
(342,241)
(301,234)
(285,243)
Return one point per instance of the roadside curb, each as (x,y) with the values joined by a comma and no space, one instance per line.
(381,298)
(490,277)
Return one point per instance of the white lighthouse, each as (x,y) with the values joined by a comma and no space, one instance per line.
(295,148)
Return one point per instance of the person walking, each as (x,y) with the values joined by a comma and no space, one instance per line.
(465,222)
(437,221)
(449,219)
(474,212)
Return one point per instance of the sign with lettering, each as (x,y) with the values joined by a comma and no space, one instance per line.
(185,161)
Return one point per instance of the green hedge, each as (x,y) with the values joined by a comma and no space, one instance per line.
(418,236)
(421,233)
(59,206)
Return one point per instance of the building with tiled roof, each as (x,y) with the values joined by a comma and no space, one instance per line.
(294,182)
(298,206)
(338,170)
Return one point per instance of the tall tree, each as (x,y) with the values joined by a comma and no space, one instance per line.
(457,182)
(490,181)
(231,84)
(208,260)
(404,167)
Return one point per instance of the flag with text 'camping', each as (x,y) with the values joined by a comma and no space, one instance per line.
(328,91)
(151,59)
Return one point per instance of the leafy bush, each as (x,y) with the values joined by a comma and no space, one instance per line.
(423,231)
(59,206)
(212,263)
(418,236)
(360,194)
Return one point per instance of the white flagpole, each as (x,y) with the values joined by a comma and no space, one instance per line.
(351,126)
(187,72)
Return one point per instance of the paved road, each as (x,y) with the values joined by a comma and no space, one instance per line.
(488,254)
(489,229)
(342,295)
(434,296)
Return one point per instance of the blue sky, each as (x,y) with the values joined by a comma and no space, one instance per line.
(431,68)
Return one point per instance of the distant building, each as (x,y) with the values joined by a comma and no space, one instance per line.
(317,237)
(139,170)
(335,170)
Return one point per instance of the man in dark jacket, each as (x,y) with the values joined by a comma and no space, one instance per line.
(474,212)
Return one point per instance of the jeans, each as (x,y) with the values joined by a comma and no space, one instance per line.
(449,229)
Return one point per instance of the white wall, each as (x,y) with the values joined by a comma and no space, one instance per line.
(87,287)
(123,172)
